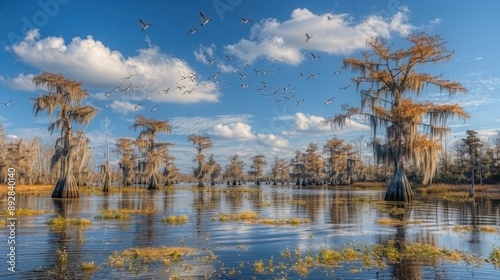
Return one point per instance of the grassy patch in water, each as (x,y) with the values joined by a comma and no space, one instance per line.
(121,214)
(495,256)
(238,217)
(279,222)
(138,258)
(397,222)
(175,220)
(469,228)
(61,222)
(25,212)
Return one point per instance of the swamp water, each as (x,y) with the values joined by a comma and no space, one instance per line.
(298,234)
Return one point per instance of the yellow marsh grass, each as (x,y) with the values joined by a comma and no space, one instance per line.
(243,216)
(495,256)
(396,222)
(147,255)
(26,212)
(279,222)
(88,267)
(122,213)
(175,220)
(488,229)
(61,222)
(462,188)
(29,189)
(253,217)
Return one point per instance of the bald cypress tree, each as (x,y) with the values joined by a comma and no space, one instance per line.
(394,79)
(151,150)
(66,97)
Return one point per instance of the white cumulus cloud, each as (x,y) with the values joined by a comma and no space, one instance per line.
(98,67)
(238,130)
(331,33)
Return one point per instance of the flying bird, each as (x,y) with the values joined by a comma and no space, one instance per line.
(300,101)
(149,97)
(229,57)
(289,97)
(106,106)
(115,89)
(137,106)
(166,90)
(245,85)
(154,108)
(188,91)
(204,20)
(214,76)
(329,101)
(277,101)
(308,37)
(144,25)
(243,76)
(311,76)
(126,78)
(127,88)
(336,72)
(192,31)
(245,20)
(6,103)
(344,88)
(315,57)
(329,18)
(275,59)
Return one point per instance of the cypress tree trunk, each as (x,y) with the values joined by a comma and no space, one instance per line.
(153,183)
(200,183)
(399,188)
(66,186)
(107,178)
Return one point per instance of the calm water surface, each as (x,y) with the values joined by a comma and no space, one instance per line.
(337,218)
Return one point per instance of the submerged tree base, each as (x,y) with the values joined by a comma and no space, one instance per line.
(66,187)
(399,188)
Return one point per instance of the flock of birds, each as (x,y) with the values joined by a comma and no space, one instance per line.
(281,93)
(188,83)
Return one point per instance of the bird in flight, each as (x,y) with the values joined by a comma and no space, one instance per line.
(315,57)
(329,101)
(275,59)
(214,76)
(127,88)
(106,106)
(328,18)
(188,91)
(289,97)
(243,76)
(192,31)
(308,37)
(245,20)
(204,20)
(344,88)
(149,97)
(166,90)
(154,108)
(229,57)
(300,101)
(137,106)
(6,103)
(311,76)
(144,25)
(336,72)
(245,85)
(277,101)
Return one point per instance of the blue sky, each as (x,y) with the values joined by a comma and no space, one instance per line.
(240,84)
